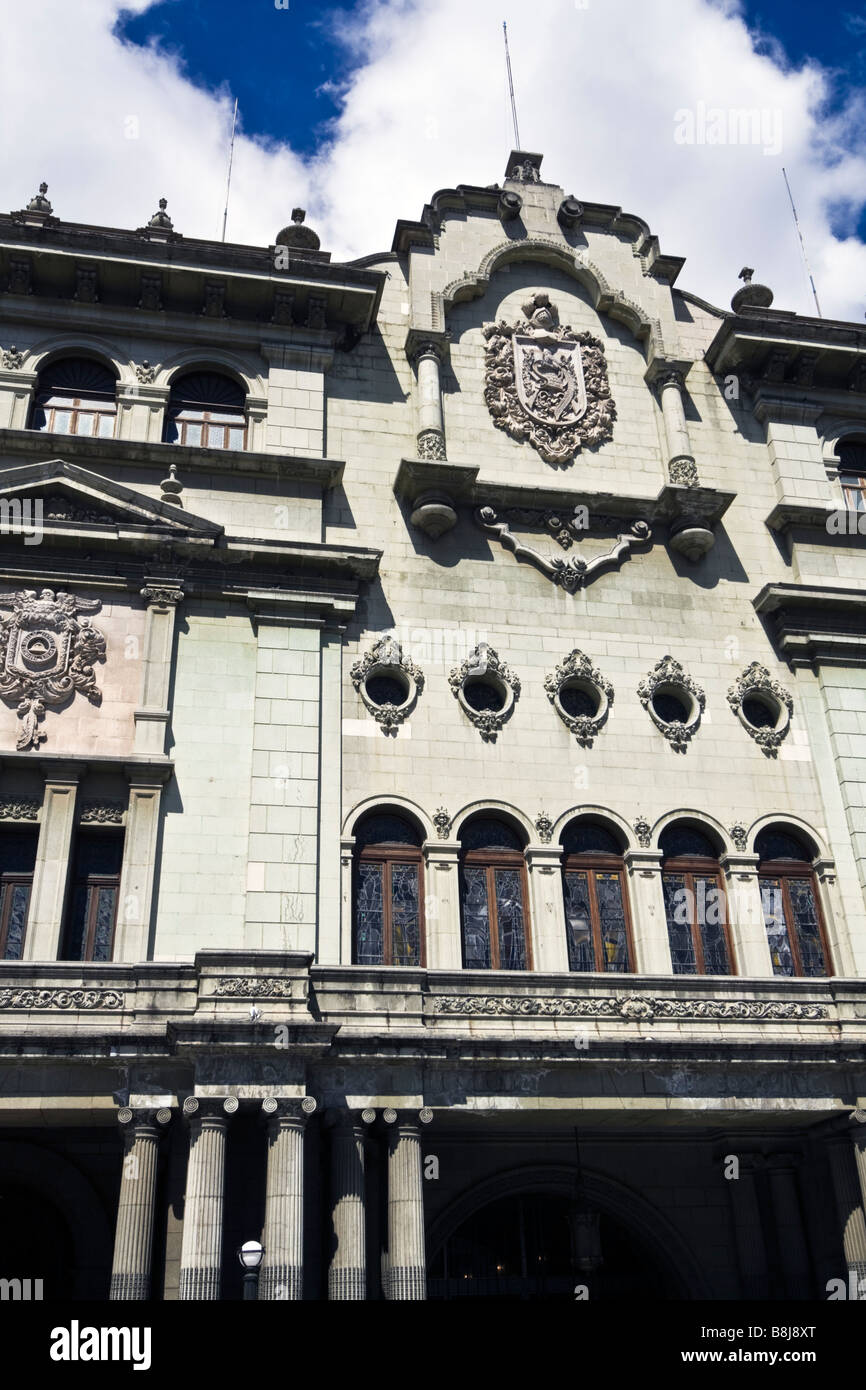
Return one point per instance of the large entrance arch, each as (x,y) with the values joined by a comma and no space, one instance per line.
(512,1237)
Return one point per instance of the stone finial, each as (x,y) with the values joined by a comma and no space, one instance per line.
(172,488)
(751,295)
(39,203)
(161,218)
(296,235)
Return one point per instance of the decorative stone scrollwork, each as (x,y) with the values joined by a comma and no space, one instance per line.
(48,655)
(684,472)
(19,809)
(253,987)
(60,999)
(162,595)
(763,707)
(102,812)
(145,373)
(740,836)
(431,445)
(485,689)
(643,830)
(13,360)
(580,695)
(388,682)
(442,822)
(547,384)
(569,575)
(633,1009)
(544,826)
(674,702)
(56,506)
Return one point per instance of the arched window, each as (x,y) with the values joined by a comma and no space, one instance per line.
(17,862)
(75,395)
(695,903)
(206,410)
(851,454)
(388,898)
(792,915)
(596,911)
(493,897)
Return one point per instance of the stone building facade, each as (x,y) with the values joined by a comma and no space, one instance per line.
(432,765)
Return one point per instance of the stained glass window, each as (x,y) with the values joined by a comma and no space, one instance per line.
(92,915)
(387,918)
(206,410)
(493,897)
(595,908)
(17,861)
(77,396)
(695,903)
(791,914)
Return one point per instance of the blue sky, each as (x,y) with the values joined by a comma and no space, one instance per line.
(360,111)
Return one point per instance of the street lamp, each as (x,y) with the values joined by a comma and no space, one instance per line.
(250,1257)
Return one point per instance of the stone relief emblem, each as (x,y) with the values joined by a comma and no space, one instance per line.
(574,573)
(548,384)
(48,652)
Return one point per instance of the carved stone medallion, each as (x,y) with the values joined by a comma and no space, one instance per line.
(388,682)
(47,652)
(763,707)
(547,384)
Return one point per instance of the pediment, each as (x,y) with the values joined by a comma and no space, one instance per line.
(73,498)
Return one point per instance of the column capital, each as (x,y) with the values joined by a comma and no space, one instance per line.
(200,1108)
(407,1119)
(344,1117)
(646,862)
(426,342)
(162,594)
(740,865)
(278,1110)
(664,372)
(141,1119)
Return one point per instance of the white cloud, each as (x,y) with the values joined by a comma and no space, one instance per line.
(601,90)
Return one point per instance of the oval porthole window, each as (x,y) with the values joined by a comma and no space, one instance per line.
(482,695)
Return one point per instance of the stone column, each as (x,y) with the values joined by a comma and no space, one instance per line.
(139,862)
(549,943)
(442,904)
(648,922)
(282,1275)
(53,854)
(681,462)
(748,1232)
(793,1250)
(133,1241)
(427,356)
(407,1261)
(848,1169)
(347,1274)
(16,391)
(153,714)
(201,1252)
(746,916)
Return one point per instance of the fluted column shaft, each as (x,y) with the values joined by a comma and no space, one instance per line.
(201,1250)
(133,1240)
(789,1227)
(751,1250)
(848,1169)
(407,1260)
(282,1275)
(347,1274)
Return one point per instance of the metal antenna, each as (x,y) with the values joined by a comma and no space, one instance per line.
(802,245)
(511,86)
(229,174)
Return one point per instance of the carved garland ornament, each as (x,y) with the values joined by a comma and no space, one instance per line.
(569,575)
(633,1009)
(757,681)
(48,653)
(668,676)
(578,673)
(19,810)
(60,999)
(253,987)
(483,666)
(386,659)
(547,384)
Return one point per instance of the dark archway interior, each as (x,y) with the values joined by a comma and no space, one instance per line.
(35,1242)
(519,1247)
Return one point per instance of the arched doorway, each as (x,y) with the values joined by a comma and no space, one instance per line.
(35,1241)
(516,1237)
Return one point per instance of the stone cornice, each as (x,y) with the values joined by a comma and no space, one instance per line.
(787,350)
(812,624)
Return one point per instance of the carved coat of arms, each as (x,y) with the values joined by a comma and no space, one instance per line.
(547,384)
(47,652)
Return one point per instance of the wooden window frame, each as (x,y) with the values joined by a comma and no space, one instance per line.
(783,869)
(490,860)
(388,855)
(13,880)
(203,419)
(75,408)
(691,866)
(591,864)
(853,484)
(91,882)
